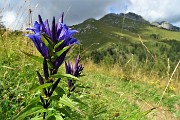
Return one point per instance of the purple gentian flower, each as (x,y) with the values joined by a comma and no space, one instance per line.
(75,71)
(58,32)
(41,47)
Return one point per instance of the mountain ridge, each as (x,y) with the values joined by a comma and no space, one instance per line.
(138,18)
(117,28)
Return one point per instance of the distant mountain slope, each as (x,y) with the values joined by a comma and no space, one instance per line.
(120,28)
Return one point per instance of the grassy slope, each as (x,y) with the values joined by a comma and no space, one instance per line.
(107,96)
(146,93)
(110,96)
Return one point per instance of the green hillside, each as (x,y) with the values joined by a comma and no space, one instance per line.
(116,28)
(127,65)
(115,37)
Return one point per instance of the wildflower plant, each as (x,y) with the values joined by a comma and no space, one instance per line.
(75,71)
(53,45)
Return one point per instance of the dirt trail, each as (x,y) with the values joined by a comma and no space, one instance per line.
(160,113)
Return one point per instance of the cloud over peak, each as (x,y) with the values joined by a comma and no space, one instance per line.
(77,11)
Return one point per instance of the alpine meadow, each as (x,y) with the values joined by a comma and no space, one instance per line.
(117,67)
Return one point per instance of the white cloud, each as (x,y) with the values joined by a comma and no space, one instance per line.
(8,18)
(77,11)
(157,10)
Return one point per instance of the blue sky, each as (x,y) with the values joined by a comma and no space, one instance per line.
(15,12)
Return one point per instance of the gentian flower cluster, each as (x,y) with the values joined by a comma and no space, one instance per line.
(75,71)
(58,37)
(53,44)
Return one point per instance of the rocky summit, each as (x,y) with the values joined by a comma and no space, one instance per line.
(166,25)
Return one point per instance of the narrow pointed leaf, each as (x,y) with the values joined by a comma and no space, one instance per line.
(41,87)
(46,40)
(26,110)
(34,100)
(32,111)
(36,58)
(68,76)
(66,101)
(58,44)
(57,54)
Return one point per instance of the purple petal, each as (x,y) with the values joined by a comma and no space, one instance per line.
(42,26)
(36,28)
(40,78)
(77,62)
(71,32)
(40,19)
(69,84)
(47,28)
(73,41)
(68,67)
(45,68)
(36,38)
(59,29)
(53,31)
(63,33)
(61,18)
(60,60)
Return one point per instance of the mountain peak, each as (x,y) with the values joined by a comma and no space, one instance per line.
(134,16)
(130,15)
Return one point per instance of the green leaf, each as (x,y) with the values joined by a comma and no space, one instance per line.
(36,58)
(51,117)
(57,54)
(82,75)
(36,118)
(66,101)
(59,117)
(54,117)
(68,76)
(40,87)
(27,110)
(63,111)
(59,93)
(34,100)
(78,101)
(58,44)
(50,65)
(81,86)
(47,41)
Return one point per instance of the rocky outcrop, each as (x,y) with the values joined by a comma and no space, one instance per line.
(165,25)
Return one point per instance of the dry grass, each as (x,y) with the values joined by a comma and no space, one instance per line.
(138,74)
